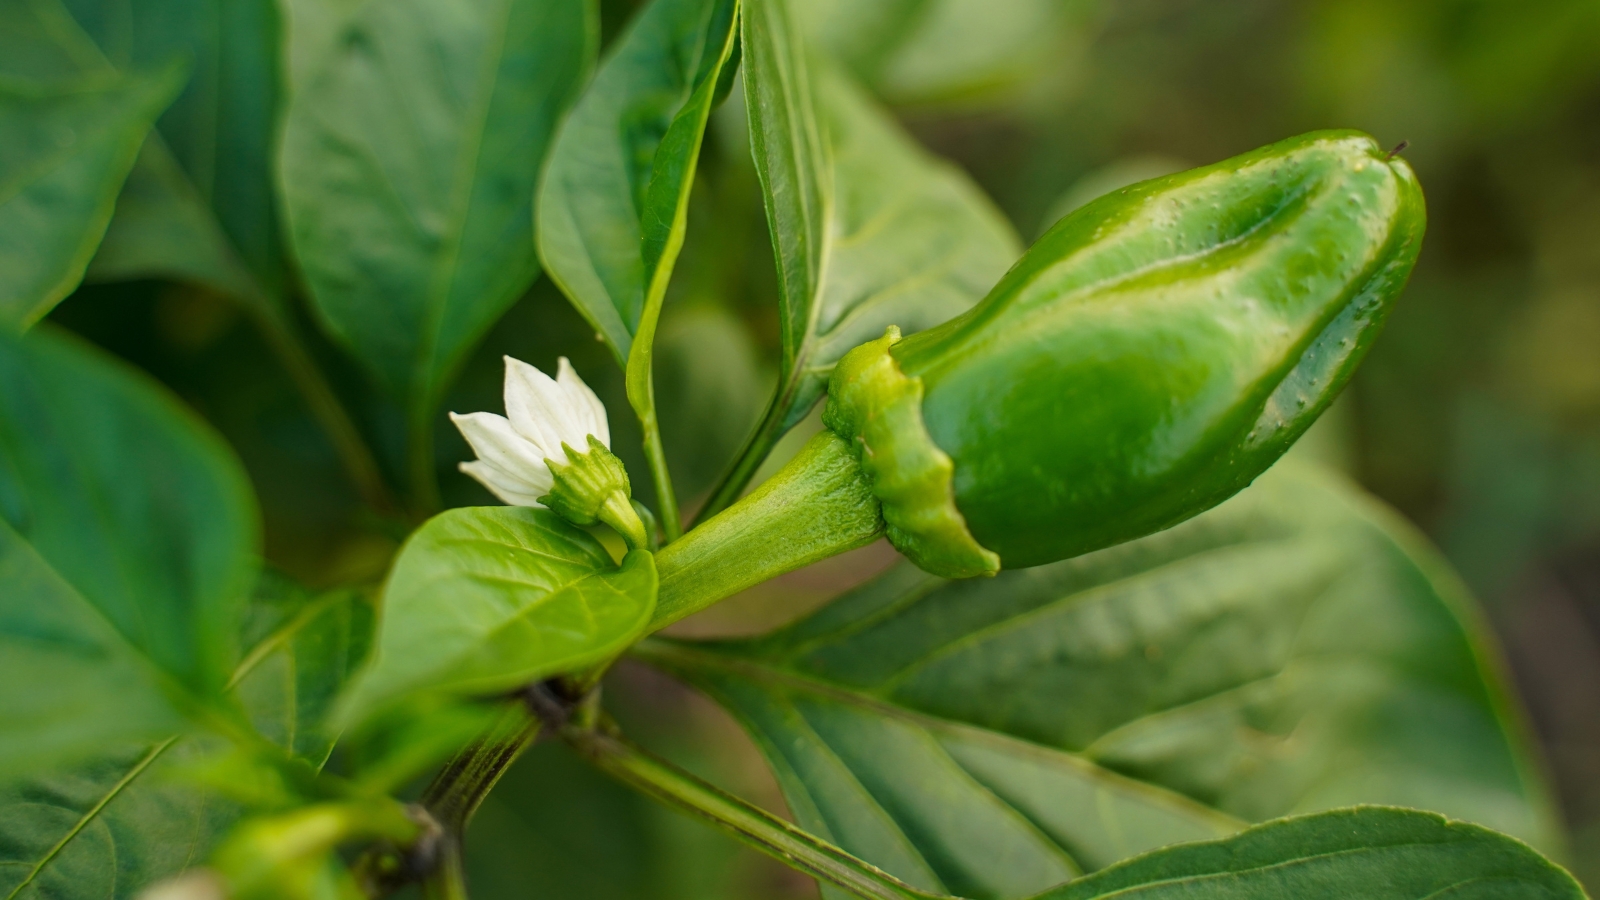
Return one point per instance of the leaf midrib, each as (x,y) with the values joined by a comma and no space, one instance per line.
(89,815)
(448,263)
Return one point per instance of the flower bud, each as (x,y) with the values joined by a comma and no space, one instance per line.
(1150,356)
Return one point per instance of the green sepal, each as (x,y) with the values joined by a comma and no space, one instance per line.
(878,409)
(593,487)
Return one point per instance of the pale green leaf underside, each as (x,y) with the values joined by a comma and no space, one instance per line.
(1374,853)
(485,600)
(611,204)
(869,229)
(409,164)
(67,149)
(1294,650)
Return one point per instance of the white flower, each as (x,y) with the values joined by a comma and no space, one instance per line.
(542,413)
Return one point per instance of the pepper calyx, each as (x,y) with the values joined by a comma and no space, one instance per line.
(877,409)
(593,487)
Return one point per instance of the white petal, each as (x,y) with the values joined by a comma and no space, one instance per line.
(594,410)
(510,490)
(540,409)
(496,442)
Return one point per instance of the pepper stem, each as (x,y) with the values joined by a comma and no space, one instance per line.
(817,506)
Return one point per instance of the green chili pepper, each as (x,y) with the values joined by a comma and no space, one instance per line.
(1149,357)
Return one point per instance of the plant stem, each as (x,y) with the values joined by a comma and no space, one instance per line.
(459,788)
(666,500)
(449,880)
(817,506)
(749,824)
(359,463)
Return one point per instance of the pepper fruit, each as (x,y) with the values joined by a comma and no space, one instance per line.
(1145,360)
(1150,356)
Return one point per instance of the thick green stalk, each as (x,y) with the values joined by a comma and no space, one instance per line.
(749,824)
(817,506)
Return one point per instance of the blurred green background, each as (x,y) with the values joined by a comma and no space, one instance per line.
(1477,415)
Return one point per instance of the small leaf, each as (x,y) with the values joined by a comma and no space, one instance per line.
(869,230)
(1295,649)
(409,164)
(67,149)
(305,646)
(127,535)
(485,600)
(1372,852)
(613,202)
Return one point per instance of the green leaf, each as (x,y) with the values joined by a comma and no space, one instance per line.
(613,202)
(1296,649)
(106,828)
(484,600)
(1372,852)
(409,164)
(127,535)
(67,149)
(200,203)
(306,647)
(114,824)
(869,230)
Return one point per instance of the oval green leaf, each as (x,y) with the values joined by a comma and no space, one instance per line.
(1294,650)
(409,164)
(485,600)
(613,203)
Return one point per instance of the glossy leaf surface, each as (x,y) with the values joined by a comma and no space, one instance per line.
(409,163)
(1376,853)
(613,203)
(128,530)
(67,149)
(483,600)
(1295,649)
(869,230)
